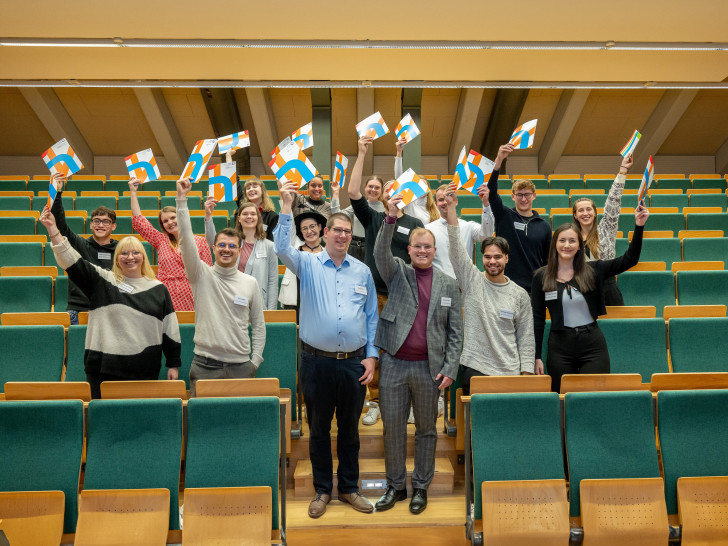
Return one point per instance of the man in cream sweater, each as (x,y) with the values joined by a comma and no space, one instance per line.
(498,317)
(225,301)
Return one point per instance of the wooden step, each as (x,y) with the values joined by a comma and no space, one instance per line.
(374,469)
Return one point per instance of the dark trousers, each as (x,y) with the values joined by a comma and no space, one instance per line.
(612,293)
(468,374)
(576,350)
(331,386)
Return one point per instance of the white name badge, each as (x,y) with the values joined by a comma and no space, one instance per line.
(260,254)
(240,300)
(265,227)
(519,225)
(445,302)
(361,290)
(403,230)
(506,314)
(551,295)
(104,255)
(285,282)
(126,288)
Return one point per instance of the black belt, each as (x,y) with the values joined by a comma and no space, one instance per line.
(338,356)
(582,329)
(358,241)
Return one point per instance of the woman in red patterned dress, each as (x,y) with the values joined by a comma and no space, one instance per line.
(171,271)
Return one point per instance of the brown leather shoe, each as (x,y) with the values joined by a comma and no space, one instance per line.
(317,508)
(358,503)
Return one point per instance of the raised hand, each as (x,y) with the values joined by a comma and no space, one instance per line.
(393,201)
(210,204)
(484,194)
(133,184)
(184,185)
(641,214)
(503,152)
(47,219)
(400,146)
(364,143)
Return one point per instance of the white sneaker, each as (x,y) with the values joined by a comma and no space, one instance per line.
(440,406)
(372,415)
(411,419)
(181,515)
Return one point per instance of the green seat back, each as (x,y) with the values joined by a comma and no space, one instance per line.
(678,200)
(233,442)
(135,444)
(709,200)
(193,202)
(599,200)
(40,201)
(683,184)
(648,288)
(567,184)
(119,186)
(21,254)
(49,259)
(693,436)
(17,225)
(663,221)
(123,225)
(84,185)
(92,202)
(609,435)
(599,184)
(38,185)
(709,183)
(515,437)
(657,250)
(158,185)
(60,293)
(146,202)
(698,344)
(702,287)
(708,220)
(470,201)
(705,249)
(31,353)
(187,335)
(14,202)
(547,202)
(13,185)
(76,350)
(623,335)
(279,357)
(42,446)
(26,294)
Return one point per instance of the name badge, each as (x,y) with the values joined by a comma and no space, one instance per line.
(240,300)
(519,225)
(265,227)
(506,314)
(104,255)
(285,282)
(361,290)
(260,254)
(551,295)
(445,302)
(126,288)
(403,230)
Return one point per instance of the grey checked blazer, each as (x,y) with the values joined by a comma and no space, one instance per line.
(444,323)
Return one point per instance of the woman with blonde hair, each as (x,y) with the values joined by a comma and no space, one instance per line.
(600,238)
(257,255)
(254,191)
(171,270)
(131,320)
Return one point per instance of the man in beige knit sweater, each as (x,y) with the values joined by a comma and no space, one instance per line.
(225,301)
(498,317)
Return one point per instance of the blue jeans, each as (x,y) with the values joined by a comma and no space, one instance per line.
(74,316)
(332,386)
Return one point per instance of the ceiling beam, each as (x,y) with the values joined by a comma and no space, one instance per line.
(504,116)
(721,158)
(562,124)
(57,121)
(321,120)
(465,121)
(364,108)
(161,122)
(261,108)
(661,122)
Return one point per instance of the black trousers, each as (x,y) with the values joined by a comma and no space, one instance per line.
(612,293)
(468,374)
(331,386)
(576,350)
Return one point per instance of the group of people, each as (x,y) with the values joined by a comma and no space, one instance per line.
(388,299)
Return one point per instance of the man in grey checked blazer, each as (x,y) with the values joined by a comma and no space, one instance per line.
(420,332)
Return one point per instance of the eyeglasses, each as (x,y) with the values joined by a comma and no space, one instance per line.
(524,195)
(101,221)
(128,253)
(423,247)
(306,229)
(223,246)
(341,231)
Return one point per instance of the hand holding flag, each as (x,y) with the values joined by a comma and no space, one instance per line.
(406,129)
(372,126)
(410,185)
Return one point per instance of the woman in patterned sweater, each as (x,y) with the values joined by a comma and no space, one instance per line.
(171,270)
(600,241)
(131,319)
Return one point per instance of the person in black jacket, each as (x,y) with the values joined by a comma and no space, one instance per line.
(572,289)
(97,249)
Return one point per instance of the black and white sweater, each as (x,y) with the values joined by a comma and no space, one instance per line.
(131,323)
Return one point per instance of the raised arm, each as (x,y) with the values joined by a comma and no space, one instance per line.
(465,272)
(398,170)
(496,202)
(383,257)
(188,248)
(133,186)
(139,222)
(210,232)
(609,224)
(487,221)
(335,203)
(290,257)
(632,256)
(356,172)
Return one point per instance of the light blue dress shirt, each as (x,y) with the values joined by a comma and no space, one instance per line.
(338,307)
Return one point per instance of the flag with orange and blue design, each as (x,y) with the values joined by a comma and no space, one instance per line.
(410,185)
(200,156)
(524,135)
(303,136)
(406,129)
(233,142)
(340,164)
(142,166)
(372,126)
(292,165)
(60,158)
(647,177)
(223,182)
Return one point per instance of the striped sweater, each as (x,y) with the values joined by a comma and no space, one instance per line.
(131,323)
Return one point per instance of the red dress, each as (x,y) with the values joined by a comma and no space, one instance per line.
(171,271)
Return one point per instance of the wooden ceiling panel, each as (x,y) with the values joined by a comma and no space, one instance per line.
(110,120)
(23,133)
(608,119)
(540,105)
(292,109)
(389,103)
(481,124)
(343,121)
(703,127)
(247,120)
(439,109)
(190,115)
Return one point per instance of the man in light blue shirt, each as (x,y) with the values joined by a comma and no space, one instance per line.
(338,322)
